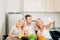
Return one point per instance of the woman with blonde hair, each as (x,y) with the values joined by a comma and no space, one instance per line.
(43,30)
(16,30)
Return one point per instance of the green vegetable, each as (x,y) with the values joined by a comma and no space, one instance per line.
(32,37)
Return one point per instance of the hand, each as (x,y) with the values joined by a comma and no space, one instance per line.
(52,21)
(26,32)
(20,35)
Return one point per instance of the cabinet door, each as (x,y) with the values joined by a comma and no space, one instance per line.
(14,5)
(34,5)
(57,5)
(49,5)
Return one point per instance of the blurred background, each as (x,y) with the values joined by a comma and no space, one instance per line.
(12,10)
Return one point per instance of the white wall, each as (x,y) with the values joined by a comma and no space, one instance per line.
(2,18)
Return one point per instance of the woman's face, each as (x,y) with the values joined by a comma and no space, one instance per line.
(22,23)
(39,23)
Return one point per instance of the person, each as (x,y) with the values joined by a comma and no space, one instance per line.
(16,30)
(29,26)
(43,30)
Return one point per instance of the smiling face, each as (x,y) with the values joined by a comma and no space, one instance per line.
(39,22)
(21,23)
(29,20)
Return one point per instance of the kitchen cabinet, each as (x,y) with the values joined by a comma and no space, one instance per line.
(57,6)
(49,5)
(14,5)
(41,5)
(34,5)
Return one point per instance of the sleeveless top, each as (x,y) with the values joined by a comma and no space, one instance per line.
(46,33)
(16,32)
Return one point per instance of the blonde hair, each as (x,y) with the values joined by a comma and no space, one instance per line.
(37,27)
(17,24)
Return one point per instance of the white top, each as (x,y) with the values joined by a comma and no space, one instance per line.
(31,29)
(15,31)
(46,33)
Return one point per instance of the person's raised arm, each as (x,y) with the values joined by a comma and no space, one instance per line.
(49,24)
